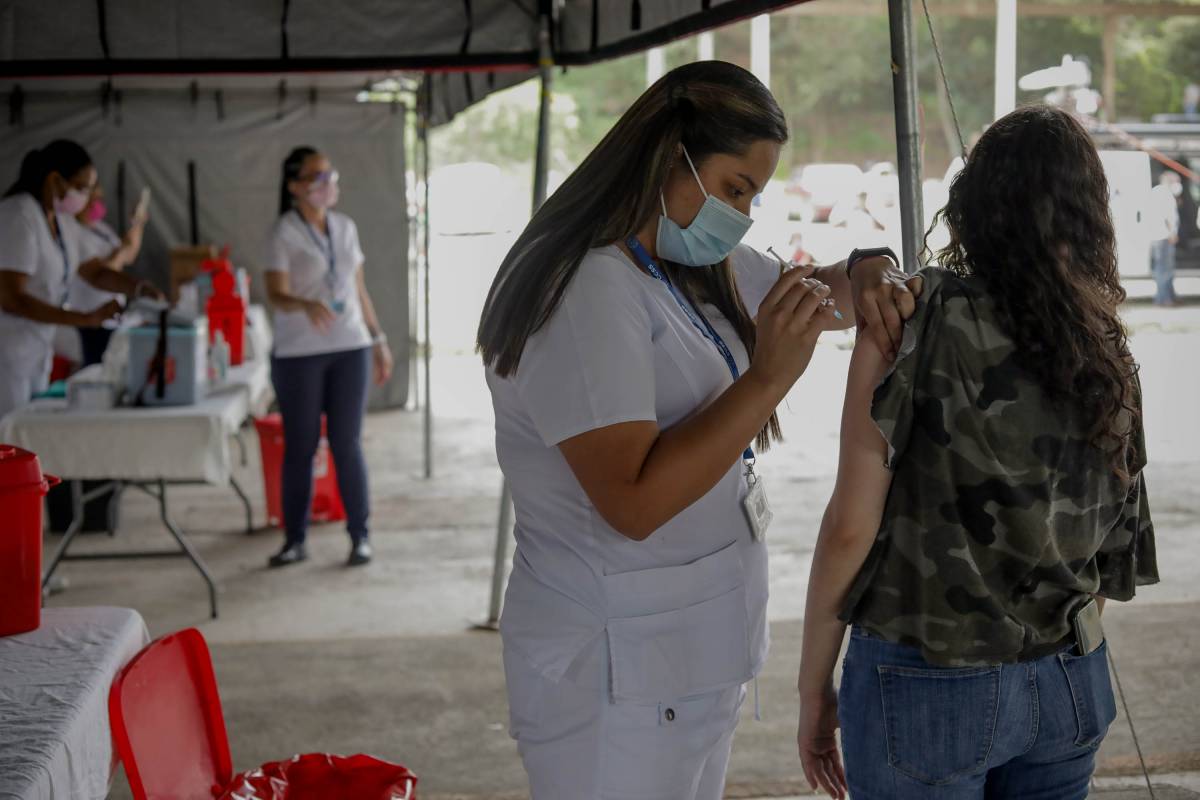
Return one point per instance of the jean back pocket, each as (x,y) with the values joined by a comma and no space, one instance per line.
(939,723)
(1091,694)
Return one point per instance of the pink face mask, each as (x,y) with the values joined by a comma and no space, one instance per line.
(70,204)
(324,192)
(96,211)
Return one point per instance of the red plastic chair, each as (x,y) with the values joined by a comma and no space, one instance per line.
(169,732)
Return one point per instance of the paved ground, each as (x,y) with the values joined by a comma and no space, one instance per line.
(383,660)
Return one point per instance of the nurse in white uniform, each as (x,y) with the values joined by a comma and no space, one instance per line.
(39,240)
(636,353)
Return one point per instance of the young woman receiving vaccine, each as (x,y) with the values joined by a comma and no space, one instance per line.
(327,344)
(636,353)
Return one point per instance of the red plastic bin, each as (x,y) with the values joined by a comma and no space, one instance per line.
(22,487)
(326,499)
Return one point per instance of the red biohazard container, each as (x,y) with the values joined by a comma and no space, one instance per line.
(22,487)
(326,500)
(227,313)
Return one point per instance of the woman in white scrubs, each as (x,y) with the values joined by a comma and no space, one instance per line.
(97,240)
(39,240)
(636,353)
(328,343)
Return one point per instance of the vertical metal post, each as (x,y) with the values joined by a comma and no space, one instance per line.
(656,64)
(541,164)
(705,46)
(1112,26)
(1006,57)
(426,108)
(908,134)
(760,48)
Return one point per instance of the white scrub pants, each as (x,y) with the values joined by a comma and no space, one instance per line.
(20,380)
(576,743)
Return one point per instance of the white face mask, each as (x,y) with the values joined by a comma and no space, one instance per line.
(1177,189)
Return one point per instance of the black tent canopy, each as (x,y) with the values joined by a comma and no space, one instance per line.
(471,47)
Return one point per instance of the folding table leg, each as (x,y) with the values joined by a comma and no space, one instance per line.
(114,505)
(187,547)
(245,503)
(72,529)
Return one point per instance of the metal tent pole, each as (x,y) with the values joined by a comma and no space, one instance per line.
(423,116)
(540,174)
(908,144)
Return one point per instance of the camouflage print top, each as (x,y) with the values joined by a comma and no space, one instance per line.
(1001,517)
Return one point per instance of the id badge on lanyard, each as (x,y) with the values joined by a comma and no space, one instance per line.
(755,506)
(331,277)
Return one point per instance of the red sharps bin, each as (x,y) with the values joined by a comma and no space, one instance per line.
(227,313)
(326,499)
(22,487)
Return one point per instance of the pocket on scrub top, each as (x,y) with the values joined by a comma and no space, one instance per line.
(939,723)
(678,631)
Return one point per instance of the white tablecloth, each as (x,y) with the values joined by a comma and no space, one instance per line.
(55,740)
(173,443)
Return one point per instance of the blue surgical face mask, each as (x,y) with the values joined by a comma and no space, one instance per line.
(711,237)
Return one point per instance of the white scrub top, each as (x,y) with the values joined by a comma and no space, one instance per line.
(96,240)
(684,610)
(303,253)
(27,246)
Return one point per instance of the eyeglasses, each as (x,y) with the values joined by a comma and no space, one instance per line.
(323,177)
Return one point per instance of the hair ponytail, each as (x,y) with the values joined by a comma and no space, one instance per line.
(293,165)
(63,156)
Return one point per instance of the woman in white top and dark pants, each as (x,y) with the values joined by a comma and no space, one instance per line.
(327,343)
(635,351)
(39,255)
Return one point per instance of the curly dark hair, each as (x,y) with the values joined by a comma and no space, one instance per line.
(1029,214)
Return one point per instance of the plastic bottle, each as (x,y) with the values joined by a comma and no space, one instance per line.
(219,358)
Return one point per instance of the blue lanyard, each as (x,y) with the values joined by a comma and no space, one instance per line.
(326,247)
(702,324)
(57,235)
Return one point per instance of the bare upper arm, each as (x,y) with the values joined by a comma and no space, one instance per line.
(608,462)
(863,479)
(277,281)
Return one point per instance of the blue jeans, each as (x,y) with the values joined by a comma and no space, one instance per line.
(1028,730)
(1162,266)
(306,386)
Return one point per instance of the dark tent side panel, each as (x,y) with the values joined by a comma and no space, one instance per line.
(237,145)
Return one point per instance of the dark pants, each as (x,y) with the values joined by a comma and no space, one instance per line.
(306,386)
(94,341)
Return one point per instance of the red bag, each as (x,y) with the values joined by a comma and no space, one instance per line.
(320,776)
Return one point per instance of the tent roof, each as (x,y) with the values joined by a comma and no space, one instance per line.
(491,43)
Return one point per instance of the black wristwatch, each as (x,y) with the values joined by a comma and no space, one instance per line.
(857,255)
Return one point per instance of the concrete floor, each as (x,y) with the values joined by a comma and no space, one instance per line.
(383,659)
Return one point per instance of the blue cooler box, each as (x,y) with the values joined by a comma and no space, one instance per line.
(187,364)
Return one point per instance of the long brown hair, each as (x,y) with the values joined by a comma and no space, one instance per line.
(1029,214)
(708,107)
